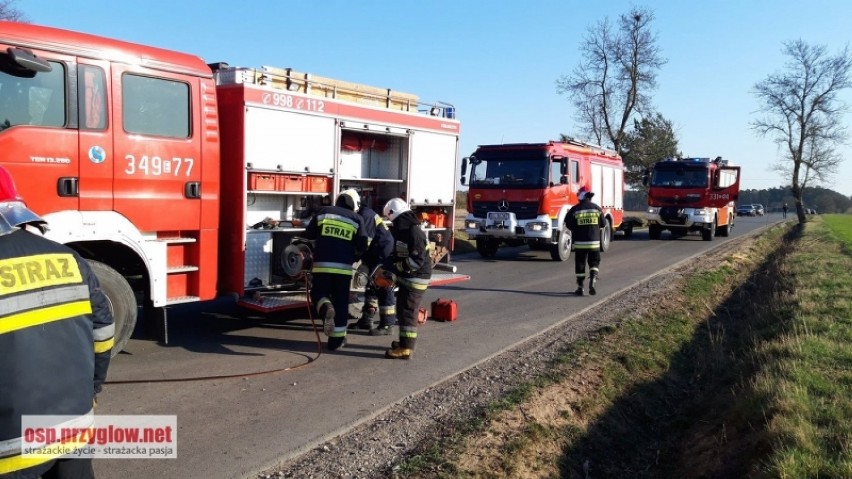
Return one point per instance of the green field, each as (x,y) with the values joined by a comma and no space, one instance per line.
(740,369)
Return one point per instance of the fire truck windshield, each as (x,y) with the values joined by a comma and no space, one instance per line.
(518,170)
(680,177)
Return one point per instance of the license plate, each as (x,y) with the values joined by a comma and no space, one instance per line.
(499,216)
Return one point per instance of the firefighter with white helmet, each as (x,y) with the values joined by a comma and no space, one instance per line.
(377,297)
(340,242)
(585,220)
(56,335)
(411,264)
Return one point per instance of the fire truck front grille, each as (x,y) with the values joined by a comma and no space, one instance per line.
(522,210)
(672,215)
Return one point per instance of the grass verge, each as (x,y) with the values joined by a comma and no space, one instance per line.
(743,369)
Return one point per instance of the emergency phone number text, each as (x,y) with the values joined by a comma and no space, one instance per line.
(290,101)
(156,166)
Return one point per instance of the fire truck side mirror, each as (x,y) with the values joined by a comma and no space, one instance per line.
(463,178)
(563,180)
(26,63)
(646,177)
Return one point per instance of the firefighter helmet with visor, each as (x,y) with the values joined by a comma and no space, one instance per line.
(13,212)
(394,208)
(349,199)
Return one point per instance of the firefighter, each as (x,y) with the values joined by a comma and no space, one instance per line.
(340,242)
(411,266)
(56,335)
(585,220)
(376,298)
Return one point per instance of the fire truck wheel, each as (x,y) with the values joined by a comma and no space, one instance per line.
(708,233)
(606,236)
(562,249)
(122,302)
(487,248)
(725,231)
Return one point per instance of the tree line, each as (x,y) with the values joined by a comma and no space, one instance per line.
(820,199)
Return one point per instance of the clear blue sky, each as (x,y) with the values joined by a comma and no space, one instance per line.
(497,61)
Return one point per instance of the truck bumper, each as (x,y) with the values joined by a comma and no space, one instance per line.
(689,219)
(502,225)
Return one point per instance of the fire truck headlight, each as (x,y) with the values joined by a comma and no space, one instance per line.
(702,212)
(472,225)
(537,226)
(652,210)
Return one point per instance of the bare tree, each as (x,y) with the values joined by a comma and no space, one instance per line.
(618,70)
(652,139)
(803,114)
(8,11)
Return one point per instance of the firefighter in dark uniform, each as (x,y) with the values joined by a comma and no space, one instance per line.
(585,220)
(376,298)
(411,266)
(56,335)
(340,241)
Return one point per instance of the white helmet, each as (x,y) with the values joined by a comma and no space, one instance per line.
(349,199)
(394,208)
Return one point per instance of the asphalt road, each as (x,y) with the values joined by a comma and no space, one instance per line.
(237,427)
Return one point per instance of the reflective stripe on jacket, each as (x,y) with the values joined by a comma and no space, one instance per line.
(340,240)
(585,220)
(414,267)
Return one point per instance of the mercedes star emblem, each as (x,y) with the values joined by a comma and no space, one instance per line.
(503,205)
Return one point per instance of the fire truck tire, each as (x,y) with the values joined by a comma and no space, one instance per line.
(122,302)
(654,232)
(606,236)
(725,231)
(562,249)
(487,248)
(708,233)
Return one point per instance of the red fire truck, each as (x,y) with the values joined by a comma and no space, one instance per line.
(692,194)
(520,193)
(181,180)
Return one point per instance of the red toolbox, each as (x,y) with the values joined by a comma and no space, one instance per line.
(444,310)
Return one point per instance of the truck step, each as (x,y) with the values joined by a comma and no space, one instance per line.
(175,240)
(181,269)
(182,299)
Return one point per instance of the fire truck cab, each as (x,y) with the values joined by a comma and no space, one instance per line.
(692,194)
(520,193)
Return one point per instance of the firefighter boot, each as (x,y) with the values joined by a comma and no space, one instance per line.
(335,343)
(593,278)
(402,349)
(579,290)
(384,328)
(326,312)
(366,321)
